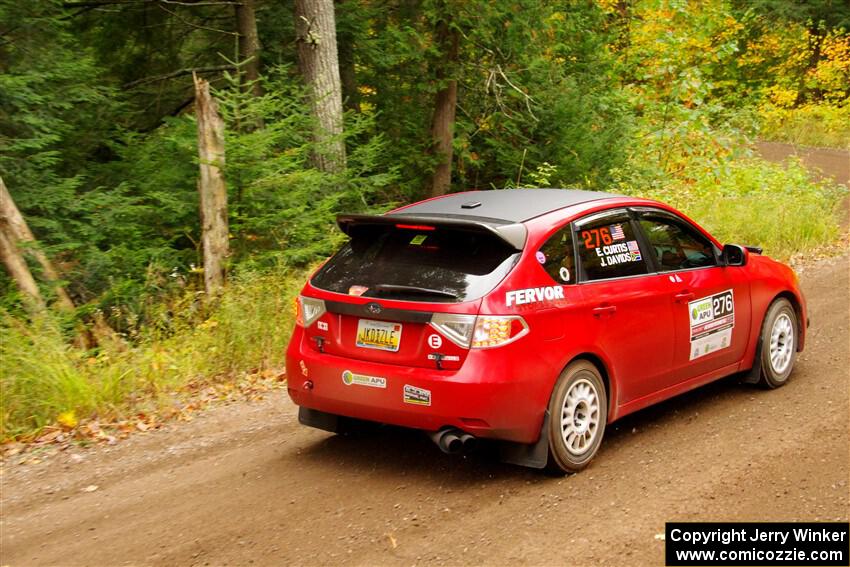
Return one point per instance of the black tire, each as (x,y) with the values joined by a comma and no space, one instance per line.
(779,335)
(576,427)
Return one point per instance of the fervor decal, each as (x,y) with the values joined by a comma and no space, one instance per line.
(533,295)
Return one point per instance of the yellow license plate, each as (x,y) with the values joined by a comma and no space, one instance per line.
(381,335)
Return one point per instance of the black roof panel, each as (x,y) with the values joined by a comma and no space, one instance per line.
(511,205)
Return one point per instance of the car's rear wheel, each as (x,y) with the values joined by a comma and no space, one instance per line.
(778,344)
(578,412)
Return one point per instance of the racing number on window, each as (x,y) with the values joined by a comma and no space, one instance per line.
(608,248)
(596,237)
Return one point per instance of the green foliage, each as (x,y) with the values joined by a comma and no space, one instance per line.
(42,376)
(540,91)
(532,82)
(53,115)
(280,208)
(753,202)
(776,206)
(808,125)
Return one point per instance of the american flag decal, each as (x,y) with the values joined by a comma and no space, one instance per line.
(617,232)
(634,250)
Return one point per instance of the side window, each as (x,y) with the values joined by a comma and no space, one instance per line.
(676,245)
(608,248)
(557,257)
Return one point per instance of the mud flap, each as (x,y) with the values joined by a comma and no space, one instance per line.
(532,455)
(753,375)
(318,419)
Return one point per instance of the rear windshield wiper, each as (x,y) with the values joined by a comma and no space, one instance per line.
(391,288)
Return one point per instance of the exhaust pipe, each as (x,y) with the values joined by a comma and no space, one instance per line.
(453,441)
(447,440)
(470,443)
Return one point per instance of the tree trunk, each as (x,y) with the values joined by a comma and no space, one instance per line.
(212,190)
(347,72)
(816,38)
(18,232)
(14,230)
(249,45)
(445,105)
(318,62)
(20,272)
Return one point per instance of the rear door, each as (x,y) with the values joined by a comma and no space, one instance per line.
(394,277)
(626,312)
(711,303)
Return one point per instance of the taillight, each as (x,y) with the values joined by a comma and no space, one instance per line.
(484,331)
(456,328)
(497,330)
(307,310)
(299,317)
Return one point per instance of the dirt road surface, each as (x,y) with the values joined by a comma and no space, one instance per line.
(245,484)
(827,162)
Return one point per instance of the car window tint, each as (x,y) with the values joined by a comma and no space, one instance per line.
(557,256)
(608,248)
(675,244)
(441,264)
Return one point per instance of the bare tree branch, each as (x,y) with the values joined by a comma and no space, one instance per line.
(194,25)
(526,96)
(178,73)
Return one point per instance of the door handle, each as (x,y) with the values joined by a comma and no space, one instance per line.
(683,296)
(604,310)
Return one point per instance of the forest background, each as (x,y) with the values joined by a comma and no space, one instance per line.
(120,119)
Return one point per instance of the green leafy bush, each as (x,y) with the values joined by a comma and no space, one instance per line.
(808,125)
(749,201)
(777,206)
(42,376)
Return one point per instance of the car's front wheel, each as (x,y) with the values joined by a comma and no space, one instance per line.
(578,412)
(778,344)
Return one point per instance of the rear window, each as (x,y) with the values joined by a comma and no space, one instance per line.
(437,265)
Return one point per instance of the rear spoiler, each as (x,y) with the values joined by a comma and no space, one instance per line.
(513,234)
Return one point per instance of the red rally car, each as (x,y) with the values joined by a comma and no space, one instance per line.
(534,317)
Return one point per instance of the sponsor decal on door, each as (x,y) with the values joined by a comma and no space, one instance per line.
(712,319)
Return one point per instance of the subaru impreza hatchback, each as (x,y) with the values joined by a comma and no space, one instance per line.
(534,317)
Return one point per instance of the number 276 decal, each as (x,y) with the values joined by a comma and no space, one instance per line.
(712,320)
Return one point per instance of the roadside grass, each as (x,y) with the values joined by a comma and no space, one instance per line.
(818,125)
(777,206)
(45,380)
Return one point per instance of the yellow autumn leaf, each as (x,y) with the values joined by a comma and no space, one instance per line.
(68,419)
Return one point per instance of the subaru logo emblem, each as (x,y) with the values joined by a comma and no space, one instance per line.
(373,308)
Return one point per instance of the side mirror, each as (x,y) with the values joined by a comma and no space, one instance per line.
(733,255)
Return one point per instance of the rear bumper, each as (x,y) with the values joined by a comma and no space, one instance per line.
(488,397)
